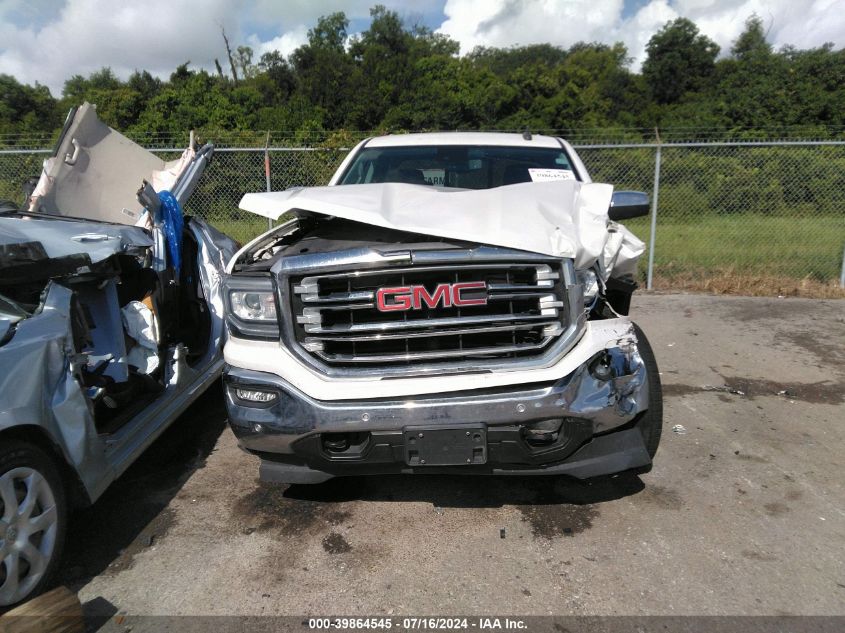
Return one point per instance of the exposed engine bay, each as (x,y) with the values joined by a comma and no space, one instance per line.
(316,233)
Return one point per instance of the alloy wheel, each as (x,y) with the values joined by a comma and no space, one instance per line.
(28,527)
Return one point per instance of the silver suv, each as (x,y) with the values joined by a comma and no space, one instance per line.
(110,326)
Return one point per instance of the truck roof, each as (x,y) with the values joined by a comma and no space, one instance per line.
(462,138)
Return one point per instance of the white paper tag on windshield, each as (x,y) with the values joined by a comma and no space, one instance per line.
(544,175)
(436,177)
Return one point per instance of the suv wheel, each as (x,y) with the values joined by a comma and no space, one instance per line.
(33,517)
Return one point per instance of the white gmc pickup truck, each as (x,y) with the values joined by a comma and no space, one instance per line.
(449,303)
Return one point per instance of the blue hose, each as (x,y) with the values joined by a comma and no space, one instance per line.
(171,217)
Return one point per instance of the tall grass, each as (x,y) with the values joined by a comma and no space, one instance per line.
(755,244)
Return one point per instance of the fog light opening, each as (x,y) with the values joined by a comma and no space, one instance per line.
(542,433)
(602,368)
(254,395)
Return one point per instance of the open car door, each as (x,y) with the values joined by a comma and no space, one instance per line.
(94,172)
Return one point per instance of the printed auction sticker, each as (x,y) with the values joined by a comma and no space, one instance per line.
(544,175)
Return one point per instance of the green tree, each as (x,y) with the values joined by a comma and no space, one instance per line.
(679,59)
(200,102)
(181,75)
(752,41)
(754,83)
(277,69)
(144,84)
(78,86)
(506,61)
(382,53)
(119,104)
(323,68)
(26,108)
(243,59)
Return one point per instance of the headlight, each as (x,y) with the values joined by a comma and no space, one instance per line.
(253,306)
(589,281)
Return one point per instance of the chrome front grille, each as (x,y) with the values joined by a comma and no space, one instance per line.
(336,316)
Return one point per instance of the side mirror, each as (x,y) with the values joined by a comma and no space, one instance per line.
(628,204)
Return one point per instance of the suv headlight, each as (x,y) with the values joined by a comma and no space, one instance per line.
(253,306)
(590,282)
(251,310)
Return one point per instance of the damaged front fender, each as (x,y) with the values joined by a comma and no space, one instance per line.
(611,389)
(40,389)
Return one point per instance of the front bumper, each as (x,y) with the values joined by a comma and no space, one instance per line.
(597,406)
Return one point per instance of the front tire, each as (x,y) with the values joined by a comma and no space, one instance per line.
(33,520)
(650,421)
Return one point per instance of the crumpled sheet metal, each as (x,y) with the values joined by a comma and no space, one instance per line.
(38,386)
(563,218)
(621,252)
(61,238)
(610,403)
(216,249)
(164,179)
(5,327)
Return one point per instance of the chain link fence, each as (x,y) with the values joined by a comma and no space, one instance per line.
(731,217)
(234,172)
(746,218)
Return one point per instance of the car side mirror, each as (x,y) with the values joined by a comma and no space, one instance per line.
(628,204)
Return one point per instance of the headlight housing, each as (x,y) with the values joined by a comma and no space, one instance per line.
(589,282)
(249,305)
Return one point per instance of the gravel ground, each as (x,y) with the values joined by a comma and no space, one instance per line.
(744,513)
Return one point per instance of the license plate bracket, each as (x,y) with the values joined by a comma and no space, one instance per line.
(454,446)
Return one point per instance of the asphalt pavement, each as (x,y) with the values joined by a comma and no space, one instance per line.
(743,513)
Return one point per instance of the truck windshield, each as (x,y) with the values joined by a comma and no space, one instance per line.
(458,166)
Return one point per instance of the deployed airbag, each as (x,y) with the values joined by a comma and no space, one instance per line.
(140,324)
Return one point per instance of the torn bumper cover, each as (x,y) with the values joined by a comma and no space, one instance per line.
(583,425)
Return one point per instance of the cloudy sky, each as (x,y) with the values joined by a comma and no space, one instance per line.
(50,40)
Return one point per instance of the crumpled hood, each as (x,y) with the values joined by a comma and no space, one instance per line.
(563,218)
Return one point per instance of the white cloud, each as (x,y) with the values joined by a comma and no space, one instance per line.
(291,13)
(48,41)
(823,22)
(803,24)
(637,30)
(307,11)
(85,35)
(285,43)
(563,22)
(510,22)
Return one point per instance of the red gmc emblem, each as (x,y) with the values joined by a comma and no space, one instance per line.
(413,297)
